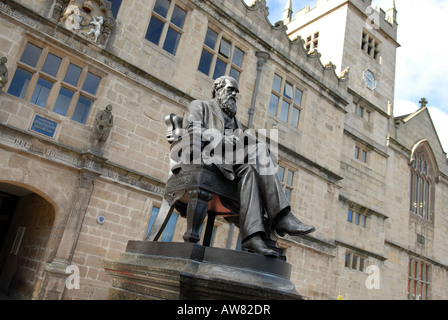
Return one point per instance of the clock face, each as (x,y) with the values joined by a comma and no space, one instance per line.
(369,79)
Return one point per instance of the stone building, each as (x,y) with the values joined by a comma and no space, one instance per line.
(374,185)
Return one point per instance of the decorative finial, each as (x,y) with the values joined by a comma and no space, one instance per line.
(423,102)
(287,13)
(345,73)
(391,13)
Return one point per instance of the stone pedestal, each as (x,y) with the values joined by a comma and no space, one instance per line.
(183,271)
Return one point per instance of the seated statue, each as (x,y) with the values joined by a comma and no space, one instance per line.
(261,196)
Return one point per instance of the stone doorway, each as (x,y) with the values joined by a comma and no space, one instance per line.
(26,223)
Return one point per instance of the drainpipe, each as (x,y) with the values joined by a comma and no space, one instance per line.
(262,59)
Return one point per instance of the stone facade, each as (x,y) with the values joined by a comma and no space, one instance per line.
(73,207)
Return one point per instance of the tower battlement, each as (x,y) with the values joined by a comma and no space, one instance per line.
(375,17)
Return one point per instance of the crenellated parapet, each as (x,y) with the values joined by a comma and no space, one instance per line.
(276,39)
(375,17)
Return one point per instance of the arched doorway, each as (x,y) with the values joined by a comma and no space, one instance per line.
(26,222)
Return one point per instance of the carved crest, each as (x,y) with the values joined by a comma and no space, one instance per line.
(91,19)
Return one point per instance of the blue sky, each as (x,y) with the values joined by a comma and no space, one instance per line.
(421,62)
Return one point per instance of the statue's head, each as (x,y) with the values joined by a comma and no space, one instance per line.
(222,82)
(224,91)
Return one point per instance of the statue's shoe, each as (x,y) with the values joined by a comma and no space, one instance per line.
(256,244)
(289,224)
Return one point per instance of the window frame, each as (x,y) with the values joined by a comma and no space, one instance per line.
(357,218)
(370,45)
(421,185)
(362,153)
(312,42)
(419,279)
(282,97)
(354,261)
(364,113)
(217,54)
(286,183)
(58,80)
(167,25)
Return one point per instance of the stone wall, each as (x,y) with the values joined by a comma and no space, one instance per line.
(143,83)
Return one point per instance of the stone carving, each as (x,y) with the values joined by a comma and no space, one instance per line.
(345,73)
(71,18)
(92,19)
(3,72)
(76,17)
(101,131)
(97,24)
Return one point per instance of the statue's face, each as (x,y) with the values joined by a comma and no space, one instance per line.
(226,97)
(231,87)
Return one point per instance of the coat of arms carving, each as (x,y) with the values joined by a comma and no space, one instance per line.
(87,18)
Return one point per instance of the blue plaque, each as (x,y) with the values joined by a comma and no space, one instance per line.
(44,126)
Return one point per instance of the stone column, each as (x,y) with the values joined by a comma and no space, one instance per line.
(54,283)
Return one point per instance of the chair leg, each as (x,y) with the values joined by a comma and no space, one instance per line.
(209,229)
(196,212)
(161,220)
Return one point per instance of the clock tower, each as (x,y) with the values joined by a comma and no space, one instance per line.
(361,42)
(354,36)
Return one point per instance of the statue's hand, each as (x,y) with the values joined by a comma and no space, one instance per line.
(230,139)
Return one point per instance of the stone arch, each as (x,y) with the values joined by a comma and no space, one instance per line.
(423,146)
(31,189)
(424,175)
(26,226)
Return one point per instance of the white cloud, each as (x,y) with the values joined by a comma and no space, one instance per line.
(421,62)
(440,120)
(403,107)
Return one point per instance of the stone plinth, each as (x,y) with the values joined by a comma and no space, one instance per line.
(182,271)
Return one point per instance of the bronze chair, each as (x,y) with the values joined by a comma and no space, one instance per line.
(194,190)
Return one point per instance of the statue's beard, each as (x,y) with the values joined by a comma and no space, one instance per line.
(228,105)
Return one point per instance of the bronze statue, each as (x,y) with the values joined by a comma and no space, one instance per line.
(261,197)
(101,131)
